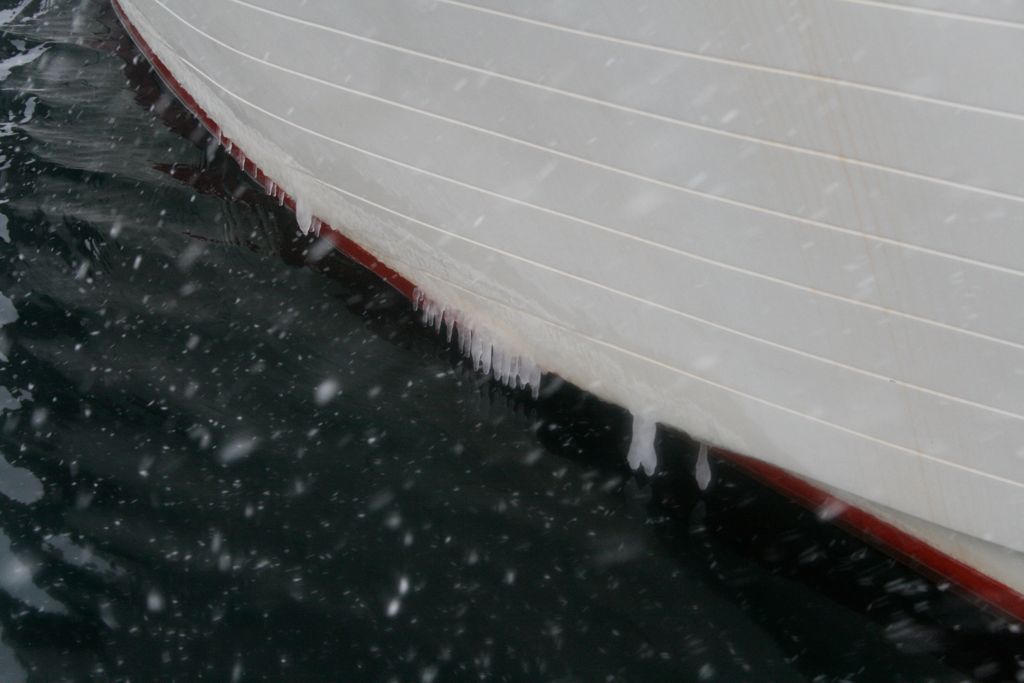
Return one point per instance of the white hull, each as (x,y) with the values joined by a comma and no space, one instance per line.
(794,229)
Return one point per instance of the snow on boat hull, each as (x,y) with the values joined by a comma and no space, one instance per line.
(795,232)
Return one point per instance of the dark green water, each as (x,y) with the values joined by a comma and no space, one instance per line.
(227,456)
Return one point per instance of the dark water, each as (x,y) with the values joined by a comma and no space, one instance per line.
(225,455)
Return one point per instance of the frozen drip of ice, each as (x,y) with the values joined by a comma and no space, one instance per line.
(304,215)
(477,344)
(641,448)
(702,472)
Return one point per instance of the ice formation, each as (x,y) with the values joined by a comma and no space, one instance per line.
(641,448)
(304,216)
(269,186)
(702,472)
(476,343)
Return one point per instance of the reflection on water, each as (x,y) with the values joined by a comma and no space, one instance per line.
(227,453)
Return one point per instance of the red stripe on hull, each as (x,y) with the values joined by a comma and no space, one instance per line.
(340,242)
(873,529)
(903,545)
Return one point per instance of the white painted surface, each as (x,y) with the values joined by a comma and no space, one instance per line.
(792,229)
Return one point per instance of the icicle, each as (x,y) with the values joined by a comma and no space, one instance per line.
(485,365)
(497,355)
(453,323)
(502,374)
(476,343)
(430,312)
(497,358)
(303,215)
(477,350)
(702,472)
(315,225)
(641,448)
(535,381)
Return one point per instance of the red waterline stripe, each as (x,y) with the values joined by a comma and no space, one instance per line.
(877,531)
(340,241)
(903,545)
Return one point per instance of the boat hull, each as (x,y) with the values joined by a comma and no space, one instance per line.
(779,256)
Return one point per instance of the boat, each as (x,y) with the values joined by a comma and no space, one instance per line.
(793,230)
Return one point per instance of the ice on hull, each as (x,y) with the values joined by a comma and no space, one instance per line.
(641,448)
(487,354)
